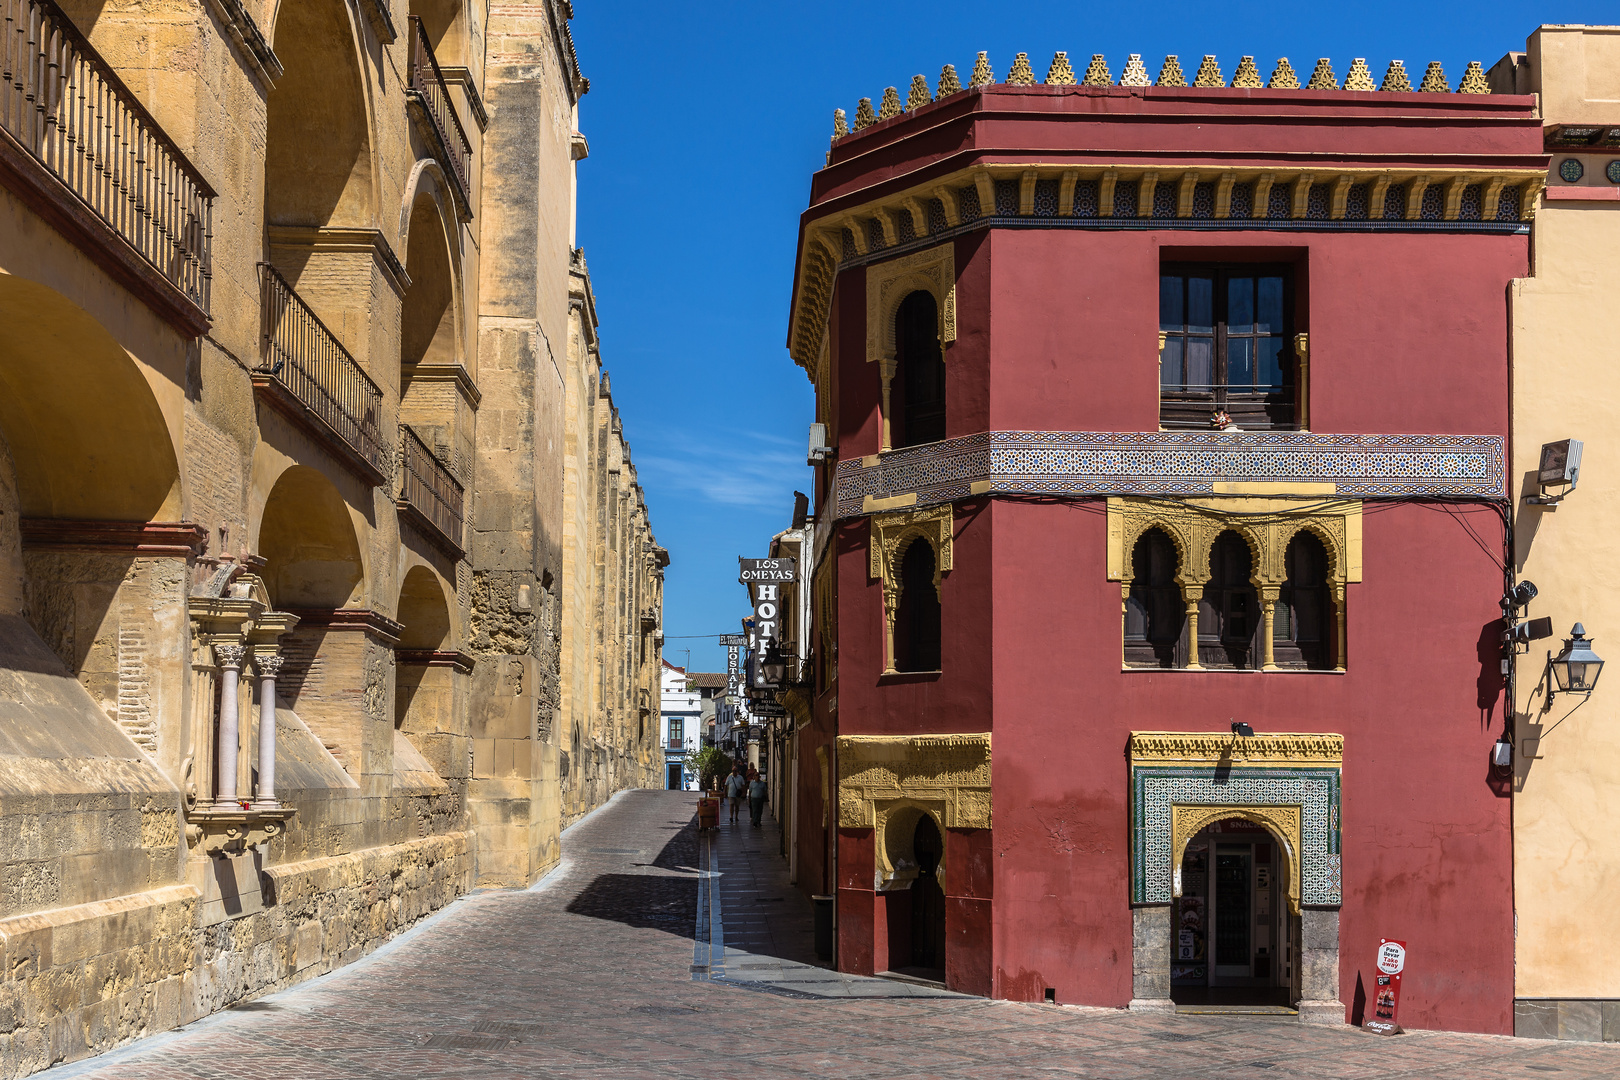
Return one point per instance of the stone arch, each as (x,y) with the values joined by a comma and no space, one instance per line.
(1261,571)
(895,293)
(903,544)
(425,612)
(1282,823)
(432,326)
(1330,543)
(888,283)
(322,101)
(1185,561)
(897,826)
(86,434)
(307,538)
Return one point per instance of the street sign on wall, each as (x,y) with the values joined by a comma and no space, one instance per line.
(1387,987)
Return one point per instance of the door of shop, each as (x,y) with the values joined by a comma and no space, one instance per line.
(1232,938)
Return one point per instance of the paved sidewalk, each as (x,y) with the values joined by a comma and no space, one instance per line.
(590,976)
(755,929)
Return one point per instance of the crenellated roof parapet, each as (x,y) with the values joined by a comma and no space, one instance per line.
(1134,74)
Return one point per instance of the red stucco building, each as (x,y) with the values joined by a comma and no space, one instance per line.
(1055,579)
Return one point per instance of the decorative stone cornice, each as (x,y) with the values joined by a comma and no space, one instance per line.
(1180,463)
(950,770)
(460,661)
(377,626)
(370,242)
(1282,750)
(143,539)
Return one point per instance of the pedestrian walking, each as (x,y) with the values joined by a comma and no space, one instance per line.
(756,799)
(736,788)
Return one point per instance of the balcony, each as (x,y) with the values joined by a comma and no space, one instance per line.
(77,147)
(429,496)
(434,112)
(306,374)
(677,744)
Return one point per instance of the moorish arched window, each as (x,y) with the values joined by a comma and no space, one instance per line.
(921,363)
(1229,614)
(916,622)
(1301,621)
(1154,612)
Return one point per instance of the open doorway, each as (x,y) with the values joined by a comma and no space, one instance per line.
(1234,943)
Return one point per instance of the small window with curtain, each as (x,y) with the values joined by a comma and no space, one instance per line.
(1227,346)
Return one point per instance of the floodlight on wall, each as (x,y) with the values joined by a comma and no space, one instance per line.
(1241,729)
(1560,468)
(1575,670)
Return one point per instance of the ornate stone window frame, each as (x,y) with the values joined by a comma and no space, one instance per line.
(886,780)
(1267,525)
(892,534)
(933,271)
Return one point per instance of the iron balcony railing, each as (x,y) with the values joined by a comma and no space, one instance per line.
(427,487)
(64,105)
(300,354)
(428,88)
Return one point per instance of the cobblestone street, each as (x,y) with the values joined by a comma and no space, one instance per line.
(606,970)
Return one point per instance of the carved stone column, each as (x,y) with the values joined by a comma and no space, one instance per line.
(230,665)
(269,667)
(1338,611)
(887,367)
(1191,591)
(1269,595)
(891,607)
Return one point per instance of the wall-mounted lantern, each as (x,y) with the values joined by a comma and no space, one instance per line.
(1576,669)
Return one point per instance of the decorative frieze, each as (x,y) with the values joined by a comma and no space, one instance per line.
(1093,463)
(953,770)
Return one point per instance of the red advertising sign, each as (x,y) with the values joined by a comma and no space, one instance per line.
(1387,988)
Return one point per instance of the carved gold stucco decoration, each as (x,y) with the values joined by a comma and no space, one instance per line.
(1359,78)
(1209,74)
(919,95)
(1323,78)
(891,535)
(1267,525)
(864,118)
(888,283)
(1395,80)
(1283,822)
(889,108)
(840,124)
(982,74)
(1247,75)
(1058,72)
(1283,750)
(1283,77)
(1473,80)
(948,82)
(885,782)
(1097,73)
(1135,73)
(1170,73)
(1021,73)
(1434,80)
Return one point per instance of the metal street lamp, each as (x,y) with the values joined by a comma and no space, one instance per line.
(1576,669)
(773,666)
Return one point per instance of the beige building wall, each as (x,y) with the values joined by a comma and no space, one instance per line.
(1567,753)
(263,485)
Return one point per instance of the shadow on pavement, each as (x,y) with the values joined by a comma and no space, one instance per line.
(648,900)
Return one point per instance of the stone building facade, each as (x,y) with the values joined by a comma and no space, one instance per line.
(285,577)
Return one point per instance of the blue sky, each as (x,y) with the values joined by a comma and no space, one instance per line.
(705,123)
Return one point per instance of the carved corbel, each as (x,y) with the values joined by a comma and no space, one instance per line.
(1302,197)
(1262,194)
(1341,196)
(1105,193)
(987,192)
(1375,196)
(953,207)
(1184,196)
(1454,192)
(1415,188)
(1491,198)
(1066,186)
(919,215)
(857,233)
(1223,197)
(1531,198)
(888,221)
(1026,192)
(1144,194)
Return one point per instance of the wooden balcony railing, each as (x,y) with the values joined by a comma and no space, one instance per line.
(428,492)
(307,373)
(62,106)
(430,94)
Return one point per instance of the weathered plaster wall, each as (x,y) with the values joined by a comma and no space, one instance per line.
(1566,852)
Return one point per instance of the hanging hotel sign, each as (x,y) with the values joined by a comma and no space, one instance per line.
(765,578)
(1387,988)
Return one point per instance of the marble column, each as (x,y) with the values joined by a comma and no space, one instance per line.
(230,667)
(269,668)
